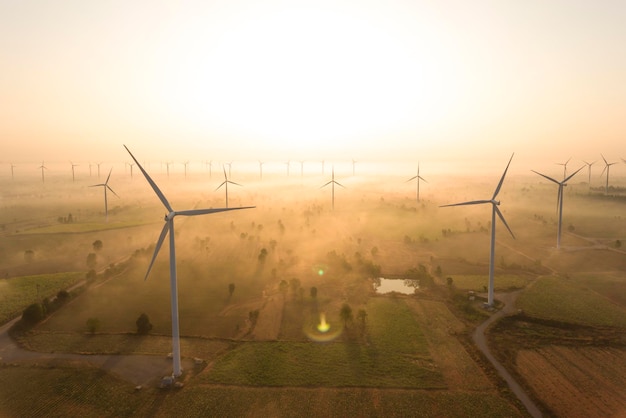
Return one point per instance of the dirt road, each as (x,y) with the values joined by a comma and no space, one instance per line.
(481,342)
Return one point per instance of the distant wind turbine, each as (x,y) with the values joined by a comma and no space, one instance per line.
(589,171)
(225,184)
(565,166)
(494,211)
(98,164)
(288,164)
(607,167)
(90,165)
(261,169)
(417,178)
(12,173)
(73,165)
(332,182)
(229,167)
(169,228)
(106,186)
(559,200)
(131,169)
(186,163)
(43,167)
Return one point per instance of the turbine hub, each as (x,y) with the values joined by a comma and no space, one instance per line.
(169,216)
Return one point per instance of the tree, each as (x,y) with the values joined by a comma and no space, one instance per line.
(313,292)
(143,324)
(91,275)
(93,324)
(283,286)
(362,318)
(450,281)
(33,313)
(97,245)
(29,256)
(231,289)
(438,271)
(618,243)
(262,255)
(253,316)
(345,314)
(63,296)
(91,260)
(374,251)
(294,284)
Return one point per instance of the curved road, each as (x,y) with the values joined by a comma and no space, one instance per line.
(481,342)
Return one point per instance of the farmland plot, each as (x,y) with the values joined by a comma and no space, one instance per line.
(571,381)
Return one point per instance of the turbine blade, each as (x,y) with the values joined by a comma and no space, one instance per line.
(605,162)
(603,170)
(543,175)
(473,202)
(326,184)
(193,212)
(503,220)
(218,187)
(109,176)
(164,232)
(152,183)
(559,196)
(108,187)
(339,184)
(236,184)
(572,175)
(412,178)
(502,178)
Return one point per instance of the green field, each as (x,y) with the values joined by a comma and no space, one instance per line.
(570,300)
(477,282)
(396,355)
(18,292)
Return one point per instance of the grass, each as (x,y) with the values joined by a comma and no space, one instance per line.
(64,390)
(501,282)
(18,292)
(570,301)
(396,356)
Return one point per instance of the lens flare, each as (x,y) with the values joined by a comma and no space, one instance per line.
(323,325)
(324,331)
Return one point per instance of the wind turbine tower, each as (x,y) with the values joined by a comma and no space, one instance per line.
(565,166)
(607,167)
(73,165)
(106,186)
(589,171)
(559,200)
(494,211)
(332,183)
(12,172)
(417,178)
(168,228)
(43,167)
(225,184)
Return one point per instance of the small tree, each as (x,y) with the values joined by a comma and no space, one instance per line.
(33,313)
(91,260)
(143,324)
(93,324)
(262,255)
(29,256)
(63,296)
(253,316)
(313,292)
(618,243)
(450,281)
(283,287)
(346,314)
(361,316)
(97,245)
(231,289)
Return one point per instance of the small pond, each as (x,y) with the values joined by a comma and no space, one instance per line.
(407,287)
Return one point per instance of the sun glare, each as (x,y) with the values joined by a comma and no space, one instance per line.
(314,78)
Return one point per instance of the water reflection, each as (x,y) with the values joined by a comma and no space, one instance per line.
(405,286)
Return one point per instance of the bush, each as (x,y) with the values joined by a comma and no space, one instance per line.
(93,324)
(143,324)
(34,313)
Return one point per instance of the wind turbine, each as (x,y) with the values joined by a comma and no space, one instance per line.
(494,210)
(43,167)
(589,171)
(332,183)
(606,168)
(418,178)
(131,169)
(565,166)
(186,163)
(106,186)
(225,184)
(167,167)
(288,164)
(98,164)
(169,228)
(73,165)
(12,167)
(229,167)
(559,200)
(261,169)
(90,168)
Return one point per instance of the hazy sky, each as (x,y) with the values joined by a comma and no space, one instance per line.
(312,79)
